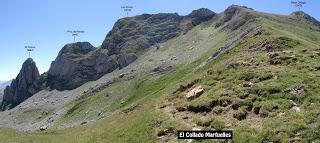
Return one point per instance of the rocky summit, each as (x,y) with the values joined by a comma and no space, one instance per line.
(22,87)
(304,17)
(133,34)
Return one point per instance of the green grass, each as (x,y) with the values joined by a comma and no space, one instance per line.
(135,126)
(226,78)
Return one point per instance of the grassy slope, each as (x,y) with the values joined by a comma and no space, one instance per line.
(139,125)
(224,77)
(135,126)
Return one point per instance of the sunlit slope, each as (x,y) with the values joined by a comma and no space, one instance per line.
(264,87)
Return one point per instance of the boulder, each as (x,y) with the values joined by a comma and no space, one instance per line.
(296,109)
(195,92)
(297,89)
(43,128)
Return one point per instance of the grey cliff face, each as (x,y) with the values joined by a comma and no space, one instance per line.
(22,87)
(133,34)
(76,64)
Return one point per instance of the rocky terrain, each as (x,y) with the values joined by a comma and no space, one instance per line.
(254,73)
(78,63)
(134,34)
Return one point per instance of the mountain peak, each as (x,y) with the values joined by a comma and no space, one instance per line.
(22,87)
(200,15)
(301,15)
(238,7)
(77,48)
(202,12)
(29,60)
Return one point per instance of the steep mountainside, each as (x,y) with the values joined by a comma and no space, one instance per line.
(254,73)
(80,62)
(130,35)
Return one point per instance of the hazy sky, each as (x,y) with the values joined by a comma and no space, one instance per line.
(43,23)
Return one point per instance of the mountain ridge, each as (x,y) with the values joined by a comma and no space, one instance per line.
(258,81)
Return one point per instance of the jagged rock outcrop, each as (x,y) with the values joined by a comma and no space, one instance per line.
(234,17)
(22,87)
(133,34)
(200,15)
(78,63)
(302,16)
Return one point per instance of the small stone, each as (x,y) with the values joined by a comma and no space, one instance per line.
(45,113)
(174,58)
(296,109)
(43,128)
(121,75)
(50,120)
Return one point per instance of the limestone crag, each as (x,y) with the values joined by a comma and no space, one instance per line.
(78,63)
(133,34)
(22,87)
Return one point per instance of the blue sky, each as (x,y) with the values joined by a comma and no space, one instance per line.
(43,23)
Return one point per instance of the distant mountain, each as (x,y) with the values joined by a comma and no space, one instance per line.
(3,84)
